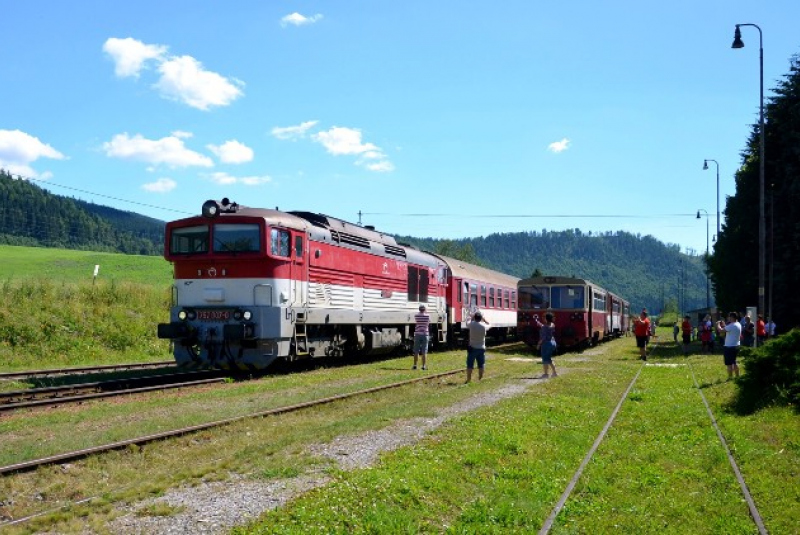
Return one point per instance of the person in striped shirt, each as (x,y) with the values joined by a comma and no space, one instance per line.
(423,321)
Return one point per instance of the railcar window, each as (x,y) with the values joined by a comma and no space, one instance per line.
(483,295)
(491,297)
(189,240)
(279,242)
(508,298)
(237,238)
(599,301)
(298,246)
(513,299)
(473,294)
(536,297)
(459,294)
(568,297)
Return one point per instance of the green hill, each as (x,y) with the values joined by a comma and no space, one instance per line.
(30,215)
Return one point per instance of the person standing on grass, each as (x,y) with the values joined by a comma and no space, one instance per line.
(547,343)
(770,327)
(761,330)
(676,330)
(641,328)
(733,332)
(705,327)
(421,330)
(476,351)
(686,329)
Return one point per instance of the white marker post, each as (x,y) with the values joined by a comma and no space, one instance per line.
(96,271)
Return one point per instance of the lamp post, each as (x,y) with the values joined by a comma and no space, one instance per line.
(705,167)
(708,285)
(762,232)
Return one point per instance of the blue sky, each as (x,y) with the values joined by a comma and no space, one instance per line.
(484,116)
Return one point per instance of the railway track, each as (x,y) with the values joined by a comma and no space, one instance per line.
(29,374)
(73,393)
(72,455)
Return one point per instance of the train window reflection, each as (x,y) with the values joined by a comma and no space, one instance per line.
(534,297)
(568,297)
(237,238)
(189,240)
(279,242)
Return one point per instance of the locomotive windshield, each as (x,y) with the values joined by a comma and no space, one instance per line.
(189,240)
(237,238)
(568,297)
(535,297)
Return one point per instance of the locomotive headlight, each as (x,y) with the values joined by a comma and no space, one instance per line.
(247,315)
(187,314)
(182,315)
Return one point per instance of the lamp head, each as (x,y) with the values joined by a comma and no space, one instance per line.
(698,214)
(705,165)
(737,39)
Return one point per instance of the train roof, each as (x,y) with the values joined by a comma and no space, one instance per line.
(535,281)
(465,270)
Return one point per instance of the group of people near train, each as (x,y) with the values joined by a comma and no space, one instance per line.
(707,333)
(476,348)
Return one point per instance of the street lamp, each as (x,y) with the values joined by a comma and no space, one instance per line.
(762,233)
(708,287)
(705,168)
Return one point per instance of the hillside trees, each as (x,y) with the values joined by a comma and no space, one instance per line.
(29,215)
(734,265)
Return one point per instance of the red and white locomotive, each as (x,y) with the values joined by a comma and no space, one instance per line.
(584,313)
(253,285)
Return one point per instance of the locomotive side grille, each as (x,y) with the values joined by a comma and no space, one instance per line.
(350,239)
(392,250)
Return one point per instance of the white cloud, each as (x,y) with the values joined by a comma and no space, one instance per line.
(293,132)
(162,185)
(182,134)
(296,19)
(168,151)
(182,78)
(185,80)
(224,179)
(232,152)
(18,150)
(341,140)
(383,166)
(559,146)
(129,55)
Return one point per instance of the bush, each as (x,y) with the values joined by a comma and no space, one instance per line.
(772,373)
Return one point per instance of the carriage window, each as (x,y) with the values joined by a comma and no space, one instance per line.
(491,297)
(279,242)
(459,293)
(473,294)
(483,295)
(189,240)
(513,299)
(233,238)
(568,297)
(599,301)
(508,301)
(535,297)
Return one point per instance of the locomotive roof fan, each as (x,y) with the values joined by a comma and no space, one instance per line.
(212,208)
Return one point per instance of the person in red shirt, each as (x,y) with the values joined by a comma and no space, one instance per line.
(686,328)
(761,330)
(641,328)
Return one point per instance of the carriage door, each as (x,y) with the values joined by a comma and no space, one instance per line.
(299,269)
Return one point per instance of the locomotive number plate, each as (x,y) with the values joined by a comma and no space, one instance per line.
(214,315)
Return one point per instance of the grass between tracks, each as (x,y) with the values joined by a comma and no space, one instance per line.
(497,469)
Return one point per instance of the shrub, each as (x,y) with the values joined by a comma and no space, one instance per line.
(772,373)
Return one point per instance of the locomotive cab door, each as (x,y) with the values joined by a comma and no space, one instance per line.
(299,269)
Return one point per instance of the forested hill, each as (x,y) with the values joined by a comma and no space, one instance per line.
(641,269)
(30,215)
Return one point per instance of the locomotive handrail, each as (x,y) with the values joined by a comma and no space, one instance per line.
(255,289)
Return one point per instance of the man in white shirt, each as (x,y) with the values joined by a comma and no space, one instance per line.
(733,333)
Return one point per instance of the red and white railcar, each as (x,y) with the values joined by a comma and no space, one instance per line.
(584,313)
(254,285)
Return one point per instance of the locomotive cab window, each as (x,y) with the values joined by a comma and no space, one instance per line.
(298,247)
(535,297)
(568,297)
(279,242)
(237,238)
(189,240)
